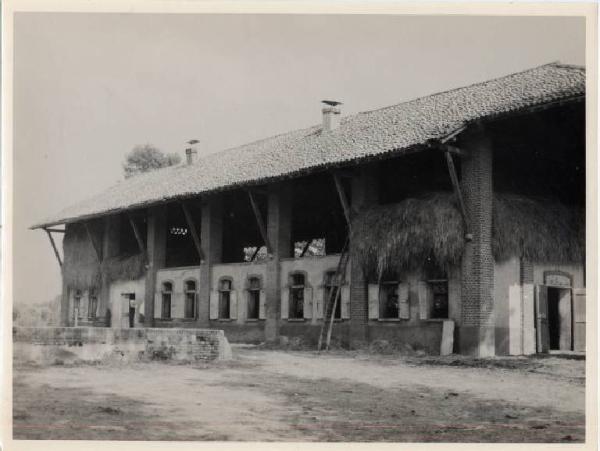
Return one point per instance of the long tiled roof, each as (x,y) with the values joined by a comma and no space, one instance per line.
(361,136)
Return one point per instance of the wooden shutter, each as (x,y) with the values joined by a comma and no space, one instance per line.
(345,299)
(579,319)
(320,302)
(528,319)
(423,292)
(447,345)
(308,303)
(285,302)
(233,304)
(403,304)
(541,319)
(214,305)
(262,305)
(373,301)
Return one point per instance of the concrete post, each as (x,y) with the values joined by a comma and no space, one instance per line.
(364,194)
(279,233)
(477,331)
(211,239)
(156,244)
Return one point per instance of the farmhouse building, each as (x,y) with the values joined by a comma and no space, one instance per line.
(450,223)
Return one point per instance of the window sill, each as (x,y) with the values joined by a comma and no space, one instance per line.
(389,320)
(296,320)
(224,320)
(165,319)
(436,320)
(254,320)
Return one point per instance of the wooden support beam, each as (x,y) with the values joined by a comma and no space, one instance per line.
(192,226)
(457,192)
(97,250)
(136,232)
(453,135)
(260,222)
(343,198)
(255,253)
(305,248)
(54,248)
(55,230)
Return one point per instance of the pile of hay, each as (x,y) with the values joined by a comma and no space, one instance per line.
(430,230)
(83,271)
(81,268)
(124,267)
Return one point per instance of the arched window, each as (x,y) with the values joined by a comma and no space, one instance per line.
(190,299)
(388,300)
(296,309)
(225,287)
(92,304)
(331,291)
(254,287)
(167,293)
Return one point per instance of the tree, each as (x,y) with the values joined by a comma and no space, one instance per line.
(147,158)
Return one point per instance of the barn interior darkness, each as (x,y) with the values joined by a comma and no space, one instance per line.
(128,244)
(180,248)
(240,228)
(317,212)
(542,154)
(413,175)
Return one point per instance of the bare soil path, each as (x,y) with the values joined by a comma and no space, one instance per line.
(266,395)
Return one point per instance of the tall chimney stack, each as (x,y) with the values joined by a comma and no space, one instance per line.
(191,154)
(331,115)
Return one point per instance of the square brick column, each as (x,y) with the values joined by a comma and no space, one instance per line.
(211,240)
(477,331)
(365,194)
(110,248)
(279,233)
(156,247)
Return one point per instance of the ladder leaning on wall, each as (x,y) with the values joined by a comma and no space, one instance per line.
(334,297)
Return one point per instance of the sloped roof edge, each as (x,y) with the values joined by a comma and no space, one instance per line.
(363,136)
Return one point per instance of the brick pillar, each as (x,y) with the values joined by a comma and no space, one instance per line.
(476,335)
(364,194)
(279,232)
(211,239)
(110,248)
(156,247)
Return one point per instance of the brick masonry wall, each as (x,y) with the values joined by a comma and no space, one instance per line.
(364,194)
(478,261)
(148,343)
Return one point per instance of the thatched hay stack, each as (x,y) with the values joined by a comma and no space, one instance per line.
(406,235)
(81,269)
(539,230)
(124,267)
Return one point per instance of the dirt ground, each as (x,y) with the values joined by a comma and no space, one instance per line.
(271,395)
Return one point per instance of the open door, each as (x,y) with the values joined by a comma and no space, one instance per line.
(579,319)
(542,332)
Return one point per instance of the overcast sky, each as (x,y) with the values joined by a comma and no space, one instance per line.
(89,87)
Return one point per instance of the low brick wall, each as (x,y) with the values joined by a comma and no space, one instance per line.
(41,344)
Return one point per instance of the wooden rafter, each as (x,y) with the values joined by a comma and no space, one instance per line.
(343,198)
(55,230)
(136,232)
(94,245)
(457,191)
(54,248)
(259,221)
(192,226)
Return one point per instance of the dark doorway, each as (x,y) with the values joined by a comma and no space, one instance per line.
(131,310)
(554,317)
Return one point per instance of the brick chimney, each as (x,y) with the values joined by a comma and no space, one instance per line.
(331,115)
(191,154)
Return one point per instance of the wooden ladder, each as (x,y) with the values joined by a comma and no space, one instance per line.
(334,297)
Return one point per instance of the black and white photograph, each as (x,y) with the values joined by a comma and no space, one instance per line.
(299,226)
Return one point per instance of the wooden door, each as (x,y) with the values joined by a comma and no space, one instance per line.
(579,319)
(542,332)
